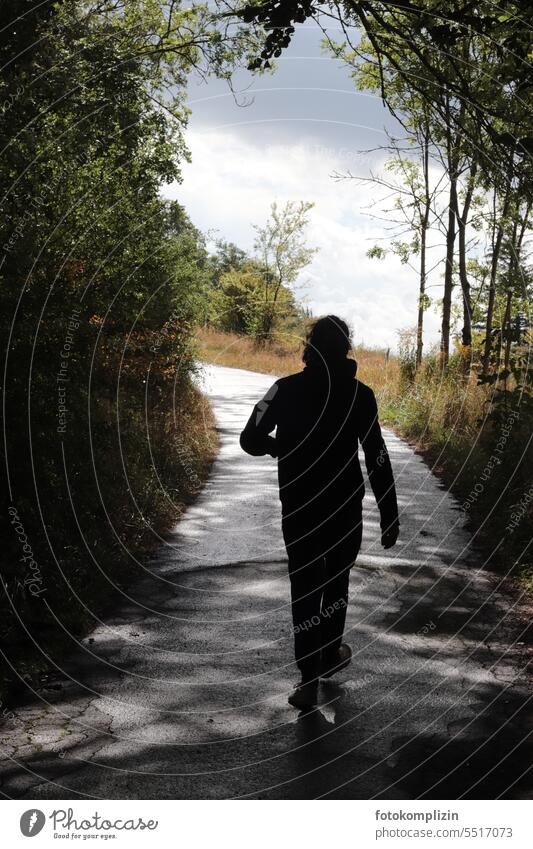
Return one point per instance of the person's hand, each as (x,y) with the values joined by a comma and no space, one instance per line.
(389,537)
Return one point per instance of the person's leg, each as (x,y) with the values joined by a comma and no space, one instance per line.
(338,563)
(306,573)
(306,592)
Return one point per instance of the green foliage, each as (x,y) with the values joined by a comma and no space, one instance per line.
(376,252)
(282,253)
(101,283)
(238,301)
(254,295)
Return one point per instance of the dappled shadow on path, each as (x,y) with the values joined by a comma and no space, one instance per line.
(183,692)
(198,708)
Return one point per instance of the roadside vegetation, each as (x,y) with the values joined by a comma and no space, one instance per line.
(106,436)
(482,452)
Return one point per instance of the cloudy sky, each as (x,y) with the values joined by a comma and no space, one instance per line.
(282,140)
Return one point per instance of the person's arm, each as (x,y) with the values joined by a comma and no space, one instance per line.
(379,470)
(255,438)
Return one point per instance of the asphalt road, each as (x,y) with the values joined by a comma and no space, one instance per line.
(183,692)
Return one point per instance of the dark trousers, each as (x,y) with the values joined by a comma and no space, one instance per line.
(320,559)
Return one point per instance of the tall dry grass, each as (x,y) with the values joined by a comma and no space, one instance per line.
(285,357)
(484,456)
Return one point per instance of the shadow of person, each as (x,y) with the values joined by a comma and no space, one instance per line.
(317,745)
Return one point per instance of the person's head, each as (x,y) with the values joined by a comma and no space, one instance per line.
(328,339)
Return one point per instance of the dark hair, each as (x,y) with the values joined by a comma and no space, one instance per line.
(328,339)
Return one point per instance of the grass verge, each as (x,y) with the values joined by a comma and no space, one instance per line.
(483,456)
(91,550)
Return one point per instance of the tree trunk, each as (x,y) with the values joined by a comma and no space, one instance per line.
(514,265)
(423,242)
(448,273)
(496,248)
(421,300)
(506,326)
(451,164)
(462,219)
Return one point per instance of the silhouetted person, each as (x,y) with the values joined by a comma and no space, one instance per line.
(321,414)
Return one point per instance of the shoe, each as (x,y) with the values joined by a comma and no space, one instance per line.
(342,659)
(304,696)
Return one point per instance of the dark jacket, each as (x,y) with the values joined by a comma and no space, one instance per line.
(321,415)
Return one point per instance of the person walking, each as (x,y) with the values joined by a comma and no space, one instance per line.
(320,415)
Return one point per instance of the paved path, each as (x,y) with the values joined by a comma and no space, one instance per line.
(183,693)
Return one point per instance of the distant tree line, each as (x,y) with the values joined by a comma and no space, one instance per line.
(256,295)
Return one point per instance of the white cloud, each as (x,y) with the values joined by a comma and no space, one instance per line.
(230,185)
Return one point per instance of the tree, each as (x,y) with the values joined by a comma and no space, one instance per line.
(238,299)
(99,280)
(462,219)
(440,108)
(228,257)
(282,254)
(414,200)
